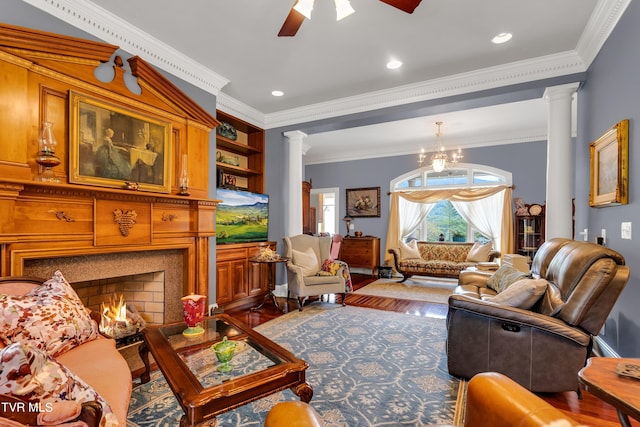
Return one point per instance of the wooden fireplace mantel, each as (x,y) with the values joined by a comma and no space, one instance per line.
(41,72)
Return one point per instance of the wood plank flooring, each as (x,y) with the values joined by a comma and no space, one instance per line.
(589,410)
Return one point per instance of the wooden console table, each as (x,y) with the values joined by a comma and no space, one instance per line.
(599,378)
(362,252)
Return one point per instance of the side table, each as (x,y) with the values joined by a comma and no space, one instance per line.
(271,263)
(600,378)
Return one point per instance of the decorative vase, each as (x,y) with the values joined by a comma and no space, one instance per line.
(224,350)
(193,308)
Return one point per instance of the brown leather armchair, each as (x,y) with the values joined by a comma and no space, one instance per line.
(539,351)
(494,400)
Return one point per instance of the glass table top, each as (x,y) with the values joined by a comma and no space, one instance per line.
(197,353)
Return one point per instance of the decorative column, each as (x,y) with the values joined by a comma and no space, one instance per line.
(294,204)
(560,161)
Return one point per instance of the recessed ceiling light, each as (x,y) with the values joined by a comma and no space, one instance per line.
(394,64)
(501,38)
(277,93)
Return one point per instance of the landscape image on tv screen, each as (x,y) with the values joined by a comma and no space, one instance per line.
(242,216)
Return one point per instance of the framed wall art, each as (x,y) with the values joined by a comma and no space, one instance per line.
(609,167)
(111,146)
(363,202)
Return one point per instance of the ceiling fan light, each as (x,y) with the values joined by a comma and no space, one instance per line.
(304,7)
(343,9)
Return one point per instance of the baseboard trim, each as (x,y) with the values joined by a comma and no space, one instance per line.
(602,349)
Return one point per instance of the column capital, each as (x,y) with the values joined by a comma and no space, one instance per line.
(561,91)
(294,135)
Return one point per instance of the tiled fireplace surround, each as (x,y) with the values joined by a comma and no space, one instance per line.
(151,281)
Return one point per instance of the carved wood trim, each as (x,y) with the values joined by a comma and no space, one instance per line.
(125,219)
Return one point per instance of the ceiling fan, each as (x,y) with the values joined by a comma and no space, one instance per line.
(302,9)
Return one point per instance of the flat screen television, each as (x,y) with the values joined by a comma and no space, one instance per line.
(242,216)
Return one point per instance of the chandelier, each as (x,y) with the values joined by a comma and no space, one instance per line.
(343,8)
(440,159)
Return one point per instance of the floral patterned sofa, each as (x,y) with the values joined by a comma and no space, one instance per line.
(441,259)
(55,367)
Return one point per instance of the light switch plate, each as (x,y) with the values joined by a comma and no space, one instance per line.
(625,230)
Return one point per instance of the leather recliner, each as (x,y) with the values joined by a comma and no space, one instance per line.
(541,352)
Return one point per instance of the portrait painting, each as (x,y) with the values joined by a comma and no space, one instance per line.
(112,146)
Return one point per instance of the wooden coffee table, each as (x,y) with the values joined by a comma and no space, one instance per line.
(260,367)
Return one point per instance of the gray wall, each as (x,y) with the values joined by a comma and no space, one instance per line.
(610,94)
(526,161)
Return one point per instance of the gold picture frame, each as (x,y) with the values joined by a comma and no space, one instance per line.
(112,146)
(610,167)
(363,202)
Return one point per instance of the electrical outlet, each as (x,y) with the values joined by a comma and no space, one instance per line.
(603,234)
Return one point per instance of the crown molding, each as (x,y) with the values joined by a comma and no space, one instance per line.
(240,110)
(93,19)
(516,137)
(545,67)
(603,20)
(110,28)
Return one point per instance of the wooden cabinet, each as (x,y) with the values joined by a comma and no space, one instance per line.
(240,161)
(361,252)
(240,165)
(239,282)
(308,213)
(529,231)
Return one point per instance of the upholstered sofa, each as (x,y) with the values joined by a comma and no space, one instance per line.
(61,357)
(443,259)
(538,331)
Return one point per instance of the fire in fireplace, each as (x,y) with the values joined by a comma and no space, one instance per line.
(119,320)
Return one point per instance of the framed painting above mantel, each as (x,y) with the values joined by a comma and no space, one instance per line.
(112,146)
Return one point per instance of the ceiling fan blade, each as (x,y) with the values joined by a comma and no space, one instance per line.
(291,24)
(405,5)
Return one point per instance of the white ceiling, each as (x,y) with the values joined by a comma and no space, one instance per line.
(230,48)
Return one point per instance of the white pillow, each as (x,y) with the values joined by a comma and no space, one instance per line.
(479,252)
(522,294)
(409,250)
(306,260)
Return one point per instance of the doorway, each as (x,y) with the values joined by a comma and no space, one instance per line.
(325,201)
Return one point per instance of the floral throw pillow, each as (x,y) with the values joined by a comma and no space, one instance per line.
(31,375)
(51,317)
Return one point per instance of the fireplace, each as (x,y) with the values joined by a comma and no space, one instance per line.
(152,281)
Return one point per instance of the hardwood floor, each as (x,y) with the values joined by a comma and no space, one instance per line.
(589,410)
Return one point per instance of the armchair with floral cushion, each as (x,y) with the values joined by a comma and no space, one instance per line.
(55,368)
(311,271)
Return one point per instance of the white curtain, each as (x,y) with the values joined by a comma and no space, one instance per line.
(411,215)
(503,237)
(485,215)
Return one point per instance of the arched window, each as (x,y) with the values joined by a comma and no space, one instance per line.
(462,175)
(445,220)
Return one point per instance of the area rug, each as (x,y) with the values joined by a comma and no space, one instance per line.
(367,368)
(426,289)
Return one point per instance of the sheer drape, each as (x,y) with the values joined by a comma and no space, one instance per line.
(505,236)
(485,215)
(411,215)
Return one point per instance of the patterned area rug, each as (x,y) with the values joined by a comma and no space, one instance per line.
(367,368)
(428,289)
